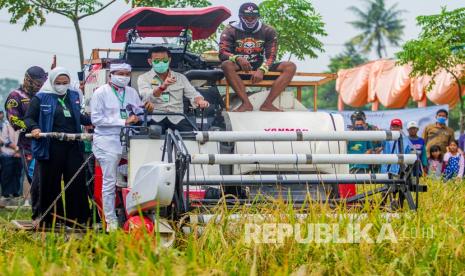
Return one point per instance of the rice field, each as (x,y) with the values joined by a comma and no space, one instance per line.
(429,241)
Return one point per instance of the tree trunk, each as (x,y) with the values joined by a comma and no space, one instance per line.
(290,56)
(79,40)
(379,51)
(379,46)
(462,113)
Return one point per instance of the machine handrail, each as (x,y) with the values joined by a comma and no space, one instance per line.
(64,136)
(297,135)
(369,159)
(299,84)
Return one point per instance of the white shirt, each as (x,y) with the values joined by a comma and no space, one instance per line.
(9,136)
(106,115)
(148,81)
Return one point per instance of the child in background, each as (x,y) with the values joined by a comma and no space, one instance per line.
(435,162)
(454,162)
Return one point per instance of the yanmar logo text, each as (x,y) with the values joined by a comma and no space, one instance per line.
(286,129)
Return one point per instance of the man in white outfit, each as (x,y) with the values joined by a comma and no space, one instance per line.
(109,114)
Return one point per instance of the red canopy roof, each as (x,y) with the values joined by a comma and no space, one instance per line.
(158,22)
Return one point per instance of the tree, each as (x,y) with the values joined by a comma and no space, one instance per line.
(327,95)
(349,58)
(378,25)
(298,26)
(209,44)
(34,12)
(439,46)
(169,3)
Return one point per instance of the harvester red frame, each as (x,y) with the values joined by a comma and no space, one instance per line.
(158,22)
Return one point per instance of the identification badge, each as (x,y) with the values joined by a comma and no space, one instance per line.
(165,97)
(155,82)
(123,113)
(66,113)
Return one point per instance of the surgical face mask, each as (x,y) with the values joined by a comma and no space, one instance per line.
(61,88)
(120,81)
(161,67)
(441,120)
(359,128)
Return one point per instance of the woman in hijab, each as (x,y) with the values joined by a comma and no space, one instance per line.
(56,108)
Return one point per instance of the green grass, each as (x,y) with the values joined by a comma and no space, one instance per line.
(437,247)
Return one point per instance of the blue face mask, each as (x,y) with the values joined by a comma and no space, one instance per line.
(359,128)
(441,120)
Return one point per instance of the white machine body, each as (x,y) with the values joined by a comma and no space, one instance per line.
(153,186)
(143,151)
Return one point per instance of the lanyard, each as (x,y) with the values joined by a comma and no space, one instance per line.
(62,102)
(120,98)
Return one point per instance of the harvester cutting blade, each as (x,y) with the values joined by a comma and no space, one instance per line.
(166,232)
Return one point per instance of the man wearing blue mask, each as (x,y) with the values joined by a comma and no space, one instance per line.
(439,133)
(165,89)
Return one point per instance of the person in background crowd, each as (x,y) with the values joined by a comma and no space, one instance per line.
(377,145)
(109,114)
(250,45)
(435,162)
(439,133)
(164,90)
(2,119)
(359,147)
(392,147)
(56,108)
(361,114)
(453,161)
(16,106)
(11,165)
(462,142)
(418,144)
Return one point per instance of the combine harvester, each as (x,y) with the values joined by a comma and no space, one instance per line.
(295,155)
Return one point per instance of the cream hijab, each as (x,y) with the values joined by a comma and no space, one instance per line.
(49,86)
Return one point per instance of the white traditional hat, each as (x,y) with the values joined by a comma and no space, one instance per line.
(120,67)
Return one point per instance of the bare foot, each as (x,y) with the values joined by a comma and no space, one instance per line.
(270,108)
(243,108)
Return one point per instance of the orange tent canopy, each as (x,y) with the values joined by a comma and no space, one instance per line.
(389,84)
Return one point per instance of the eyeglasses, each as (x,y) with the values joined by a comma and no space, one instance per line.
(156,61)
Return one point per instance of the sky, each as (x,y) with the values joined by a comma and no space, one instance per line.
(20,50)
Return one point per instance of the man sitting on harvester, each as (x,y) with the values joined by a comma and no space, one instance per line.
(250,45)
(165,89)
